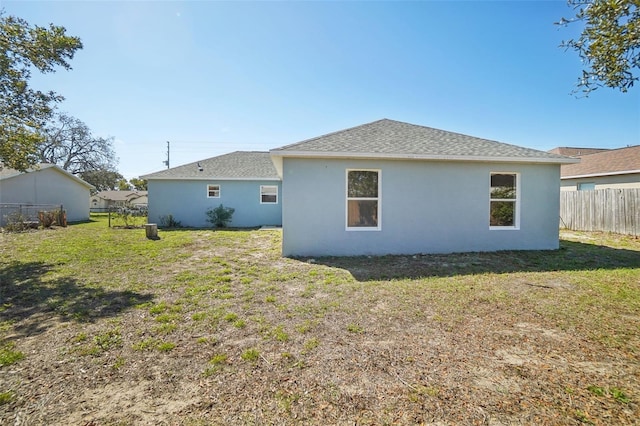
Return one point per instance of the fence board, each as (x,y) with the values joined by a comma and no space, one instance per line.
(609,210)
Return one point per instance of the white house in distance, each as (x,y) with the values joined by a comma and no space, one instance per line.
(104,200)
(244,181)
(390,187)
(46,184)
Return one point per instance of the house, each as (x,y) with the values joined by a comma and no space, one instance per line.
(46,184)
(390,187)
(576,152)
(244,181)
(602,169)
(104,200)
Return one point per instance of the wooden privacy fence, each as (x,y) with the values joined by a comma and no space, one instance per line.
(609,210)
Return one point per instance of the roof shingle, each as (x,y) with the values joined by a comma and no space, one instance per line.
(394,139)
(614,161)
(238,165)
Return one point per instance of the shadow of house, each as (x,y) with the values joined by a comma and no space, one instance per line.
(572,256)
(29,300)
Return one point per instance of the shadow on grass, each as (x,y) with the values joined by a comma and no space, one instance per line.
(29,300)
(572,256)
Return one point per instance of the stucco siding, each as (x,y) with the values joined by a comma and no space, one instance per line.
(48,186)
(627,181)
(188,202)
(425,207)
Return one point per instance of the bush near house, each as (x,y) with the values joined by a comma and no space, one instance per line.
(220,216)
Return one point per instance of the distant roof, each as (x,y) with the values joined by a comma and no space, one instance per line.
(394,139)
(120,195)
(576,152)
(239,165)
(610,162)
(7,173)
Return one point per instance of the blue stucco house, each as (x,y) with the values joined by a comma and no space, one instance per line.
(245,181)
(390,187)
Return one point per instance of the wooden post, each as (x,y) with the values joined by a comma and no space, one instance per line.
(151,230)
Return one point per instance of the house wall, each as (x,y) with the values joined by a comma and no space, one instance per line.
(628,181)
(48,186)
(187,201)
(98,203)
(426,207)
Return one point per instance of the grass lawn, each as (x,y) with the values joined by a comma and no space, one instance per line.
(101,326)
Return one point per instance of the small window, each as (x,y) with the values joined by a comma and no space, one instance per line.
(504,203)
(363,199)
(213,191)
(268,194)
(586,186)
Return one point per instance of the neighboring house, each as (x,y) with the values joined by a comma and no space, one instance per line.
(576,152)
(46,184)
(105,200)
(389,187)
(244,181)
(613,168)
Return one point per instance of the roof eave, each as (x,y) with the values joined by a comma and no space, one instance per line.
(386,156)
(209,178)
(624,172)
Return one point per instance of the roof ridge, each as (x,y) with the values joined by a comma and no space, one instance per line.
(332,133)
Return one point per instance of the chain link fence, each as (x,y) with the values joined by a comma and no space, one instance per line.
(29,214)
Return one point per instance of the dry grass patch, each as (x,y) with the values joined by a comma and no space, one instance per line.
(214,327)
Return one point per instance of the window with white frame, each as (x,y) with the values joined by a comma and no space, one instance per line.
(213,191)
(268,194)
(363,199)
(504,205)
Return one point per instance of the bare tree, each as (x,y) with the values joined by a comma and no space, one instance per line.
(70,144)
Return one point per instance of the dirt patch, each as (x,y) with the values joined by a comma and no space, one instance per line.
(217,328)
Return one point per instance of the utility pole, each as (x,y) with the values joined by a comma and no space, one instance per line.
(167,162)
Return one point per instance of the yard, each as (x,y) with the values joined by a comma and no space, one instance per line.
(101,326)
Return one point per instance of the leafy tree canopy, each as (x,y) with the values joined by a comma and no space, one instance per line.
(609,44)
(103,180)
(124,185)
(23,111)
(138,184)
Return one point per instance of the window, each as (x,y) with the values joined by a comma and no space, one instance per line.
(504,201)
(586,186)
(213,191)
(268,194)
(363,199)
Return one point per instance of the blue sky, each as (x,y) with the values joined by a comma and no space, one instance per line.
(215,77)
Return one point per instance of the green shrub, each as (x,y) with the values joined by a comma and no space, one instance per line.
(220,216)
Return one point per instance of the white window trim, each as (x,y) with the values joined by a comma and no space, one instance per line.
(379,199)
(277,194)
(219,190)
(516,224)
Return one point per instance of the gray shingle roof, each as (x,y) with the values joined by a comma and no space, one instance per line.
(394,139)
(239,165)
